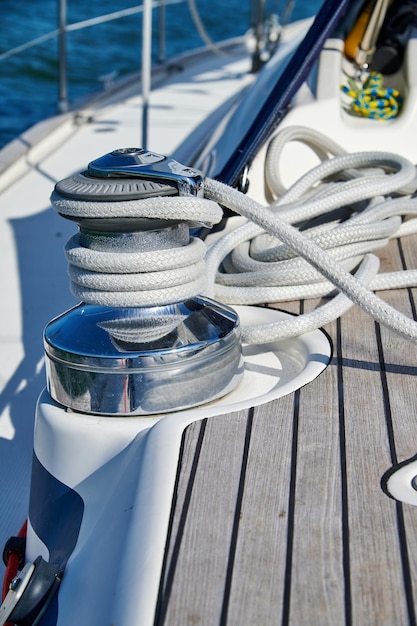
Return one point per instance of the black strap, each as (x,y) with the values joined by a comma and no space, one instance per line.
(17,545)
(276,103)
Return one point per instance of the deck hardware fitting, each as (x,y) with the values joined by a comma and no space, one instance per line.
(142,349)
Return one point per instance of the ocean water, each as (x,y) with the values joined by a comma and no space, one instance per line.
(29,79)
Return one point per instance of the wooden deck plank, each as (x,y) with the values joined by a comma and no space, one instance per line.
(317,583)
(377,568)
(314,538)
(400,365)
(203,538)
(374,552)
(256,593)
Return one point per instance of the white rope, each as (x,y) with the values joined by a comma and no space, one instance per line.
(178,208)
(114,275)
(122,262)
(309,321)
(346,207)
(250,277)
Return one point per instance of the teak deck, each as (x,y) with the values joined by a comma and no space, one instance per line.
(279,516)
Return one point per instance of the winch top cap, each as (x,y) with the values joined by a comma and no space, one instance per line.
(82,186)
(150,166)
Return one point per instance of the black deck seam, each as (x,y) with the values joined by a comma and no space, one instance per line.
(168,570)
(286,598)
(402,535)
(343,479)
(409,291)
(373,366)
(236,521)
(286,601)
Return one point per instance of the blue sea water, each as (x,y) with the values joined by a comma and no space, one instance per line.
(29,80)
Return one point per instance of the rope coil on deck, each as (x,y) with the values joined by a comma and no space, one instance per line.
(313,241)
(293,235)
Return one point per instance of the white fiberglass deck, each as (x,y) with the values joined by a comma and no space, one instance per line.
(33,280)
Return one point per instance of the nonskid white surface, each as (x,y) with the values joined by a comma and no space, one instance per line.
(271,370)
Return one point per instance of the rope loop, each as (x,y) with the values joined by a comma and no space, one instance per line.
(344,209)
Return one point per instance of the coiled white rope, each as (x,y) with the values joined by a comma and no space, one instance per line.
(177,208)
(116,275)
(257,265)
(355,202)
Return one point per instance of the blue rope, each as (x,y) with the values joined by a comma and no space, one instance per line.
(371,99)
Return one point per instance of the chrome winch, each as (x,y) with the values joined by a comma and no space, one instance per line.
(142,341)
